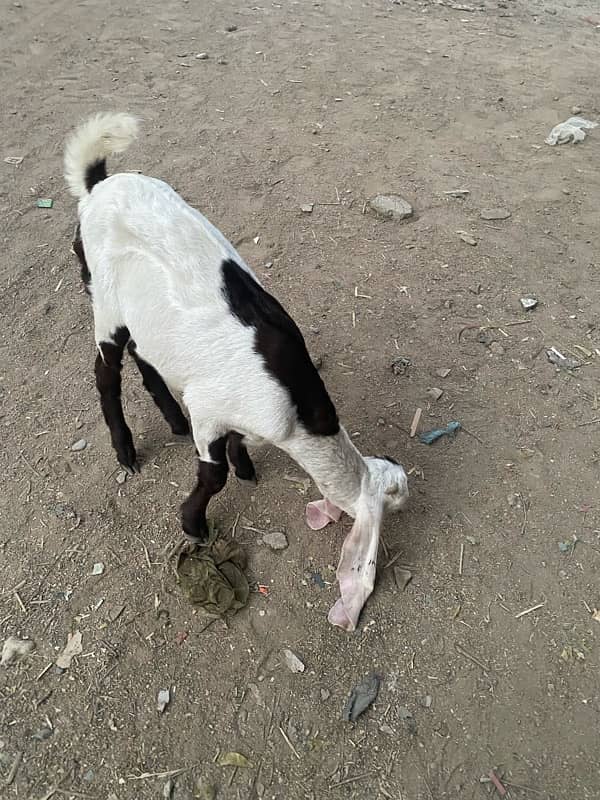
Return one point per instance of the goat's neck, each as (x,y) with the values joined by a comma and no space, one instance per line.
(333,462)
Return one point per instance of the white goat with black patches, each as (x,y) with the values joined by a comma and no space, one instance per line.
(168,286)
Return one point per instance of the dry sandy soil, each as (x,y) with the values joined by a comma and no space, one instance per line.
(326,102)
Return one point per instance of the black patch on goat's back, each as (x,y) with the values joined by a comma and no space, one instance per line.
(94,173)
(279,341)
(80,253)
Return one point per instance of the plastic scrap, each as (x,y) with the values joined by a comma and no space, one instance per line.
(573,129)
(429,437)
(361,697)
(44,202)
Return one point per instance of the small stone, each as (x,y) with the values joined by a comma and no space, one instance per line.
(400,366)
(318,362)
(494,213)
(315,329)
(392,206)
(292,661)
(467,238)
(497,349)
(387,729)
(402,577)
(163,700)
(98,568)
(325,694)
(202,56)
(443,372)
(88,776)
(427,701)
(231,28)
(307,208)
(576,109)
(121,477)
(277,540)
(435,393)
(528,303)
(79,445)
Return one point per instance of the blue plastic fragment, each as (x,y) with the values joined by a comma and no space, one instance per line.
(429,437)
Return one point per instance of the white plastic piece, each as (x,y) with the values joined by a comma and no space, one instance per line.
(573,129)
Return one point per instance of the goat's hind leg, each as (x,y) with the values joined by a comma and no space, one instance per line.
(108,381)
(212,477)
(239,458)
(158,390)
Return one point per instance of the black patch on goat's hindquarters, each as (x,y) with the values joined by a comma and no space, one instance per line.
(94,173)
(80,253)
(279,341)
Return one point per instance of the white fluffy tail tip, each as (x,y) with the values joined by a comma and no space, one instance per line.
(94,140)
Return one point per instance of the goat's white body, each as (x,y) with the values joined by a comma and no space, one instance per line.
(155,264)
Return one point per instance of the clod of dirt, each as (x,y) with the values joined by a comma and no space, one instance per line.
(494,213)
(391,206)
(361,697)
(467,237)
(402,577)
(42,734)
(204,790)
(163,700)
(15,650)
(276,540)
(292,661)
(400,366)
(72,648)
(528,303)
(408,719)
(79,445)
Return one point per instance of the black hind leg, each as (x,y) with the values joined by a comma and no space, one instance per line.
(240,460)
(159,392)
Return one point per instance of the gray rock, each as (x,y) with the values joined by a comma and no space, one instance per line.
(528,303)
(79,445)
(292,661)
(277,540)
(494,213)
(392,206)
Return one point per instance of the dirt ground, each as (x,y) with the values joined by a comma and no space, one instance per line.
(325,102)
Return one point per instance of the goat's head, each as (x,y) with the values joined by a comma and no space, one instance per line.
(388,478)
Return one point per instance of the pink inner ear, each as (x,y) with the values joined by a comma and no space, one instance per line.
(320,513)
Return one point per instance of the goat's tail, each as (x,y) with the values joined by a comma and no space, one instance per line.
(89,146)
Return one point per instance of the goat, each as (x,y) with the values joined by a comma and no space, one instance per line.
(167,285)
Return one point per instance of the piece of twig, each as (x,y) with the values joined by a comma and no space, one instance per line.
(346,781)
(167,774)
(12,773)
(415,422)
(589,422)
(288,742)
(20,602)
(529,610)
(491,326)
(497,783)
(462,558)
(234,526)
(465,653)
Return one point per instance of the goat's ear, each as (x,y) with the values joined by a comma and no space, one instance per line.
(356,570)
(320,513)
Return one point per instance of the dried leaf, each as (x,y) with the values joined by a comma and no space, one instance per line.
(72,648)
(233,760)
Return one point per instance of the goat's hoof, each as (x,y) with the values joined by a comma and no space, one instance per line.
(200,539)
(130,469)
(250,482)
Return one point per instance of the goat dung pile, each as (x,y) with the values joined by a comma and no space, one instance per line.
(212,577)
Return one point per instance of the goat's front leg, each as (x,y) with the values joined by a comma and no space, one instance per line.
(108,382)
(212,477)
